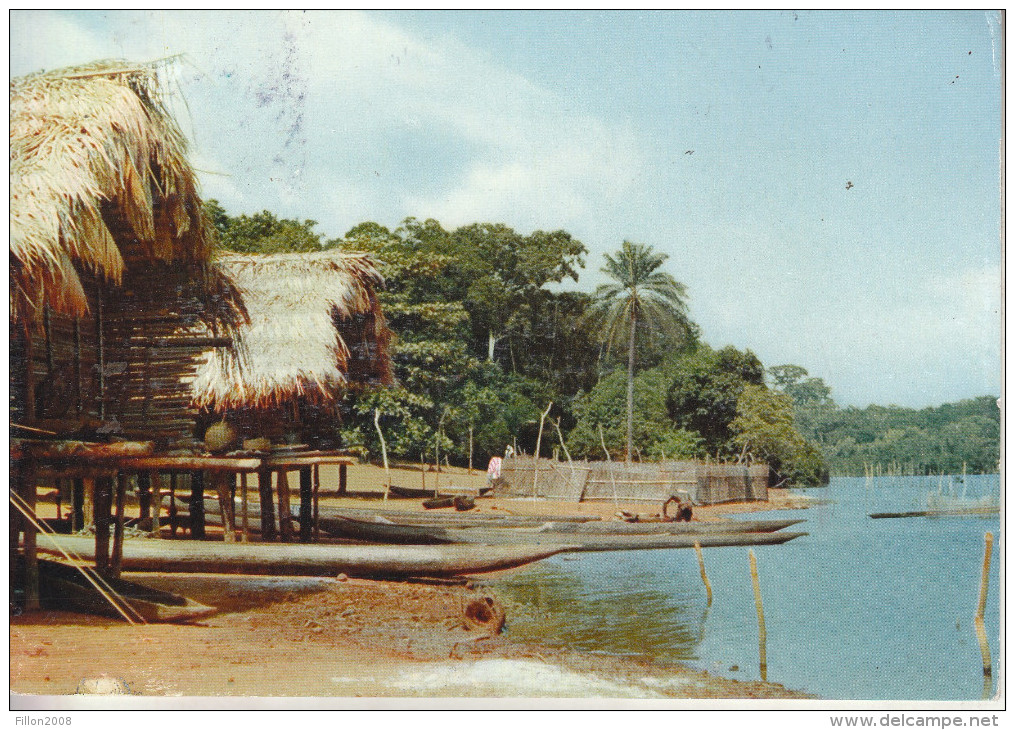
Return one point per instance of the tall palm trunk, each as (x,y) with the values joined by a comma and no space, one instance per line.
(630,385)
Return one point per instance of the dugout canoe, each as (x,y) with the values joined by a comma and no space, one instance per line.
(403,534)
(574,541)
(604,543)
(420,493)
(440,519)
(375,561)
(956,512)
(62,587)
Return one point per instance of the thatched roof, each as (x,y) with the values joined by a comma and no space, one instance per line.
(298,304)
(88,143)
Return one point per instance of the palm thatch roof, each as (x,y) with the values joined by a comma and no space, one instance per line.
(299,305)
(87,144)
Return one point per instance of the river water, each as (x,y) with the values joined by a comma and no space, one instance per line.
(859,609)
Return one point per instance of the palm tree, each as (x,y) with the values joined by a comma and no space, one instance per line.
(638,295)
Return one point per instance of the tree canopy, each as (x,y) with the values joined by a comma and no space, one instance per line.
(482,343)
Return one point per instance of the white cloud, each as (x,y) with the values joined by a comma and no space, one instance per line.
(46,40)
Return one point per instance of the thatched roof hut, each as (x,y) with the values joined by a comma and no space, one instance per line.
(92,148)
(315,329)
(112,291)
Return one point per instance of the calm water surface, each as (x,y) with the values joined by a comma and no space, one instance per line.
(859,609)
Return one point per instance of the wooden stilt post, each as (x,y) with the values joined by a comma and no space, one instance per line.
(88,503)
(27,475)
(981,631)
(172,504)
(121,495)
(103,507)
(197,505)
(144,495)
(343,479)
(243,499)
(77,504)
(16,520)
(317,501)
(58,483)
(762,632)
(222,489)
(267,504)
(306,503)
(155,487)
(285,524)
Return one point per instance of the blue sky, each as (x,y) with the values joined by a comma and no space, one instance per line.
(826,184)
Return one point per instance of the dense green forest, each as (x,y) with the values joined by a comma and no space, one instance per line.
(484,344)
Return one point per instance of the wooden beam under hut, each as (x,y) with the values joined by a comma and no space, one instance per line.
(306,503)
(285,525)
(197,505)
(103,513)
(221,480)
(116,560)
(267,504)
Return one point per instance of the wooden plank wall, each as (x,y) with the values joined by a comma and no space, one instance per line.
(132,375)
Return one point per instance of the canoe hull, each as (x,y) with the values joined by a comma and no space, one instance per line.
(406,534)
(432,561)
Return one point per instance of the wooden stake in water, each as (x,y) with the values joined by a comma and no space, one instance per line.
(762,633)
(704,575)
(981,631)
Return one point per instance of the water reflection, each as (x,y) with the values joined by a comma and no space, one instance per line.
(860,609)
(600,602)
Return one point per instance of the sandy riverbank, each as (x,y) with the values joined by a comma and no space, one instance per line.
(313,637)
(328,638)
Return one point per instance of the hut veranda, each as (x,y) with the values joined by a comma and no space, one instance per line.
(128,338)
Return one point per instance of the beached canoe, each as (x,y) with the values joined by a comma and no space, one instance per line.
(404,534)
(62,587)
(419,493)
(575,541)
(445,519)
(616,527)
(431,561)
(603,543)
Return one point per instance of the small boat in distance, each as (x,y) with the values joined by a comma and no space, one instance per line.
(948,504)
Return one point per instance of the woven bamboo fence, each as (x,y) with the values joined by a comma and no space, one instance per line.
(524,476)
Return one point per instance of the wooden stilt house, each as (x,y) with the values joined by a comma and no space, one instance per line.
(315,329)
(113,298)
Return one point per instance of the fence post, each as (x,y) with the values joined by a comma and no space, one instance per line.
(762,633)
(981,631)
(704,575)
